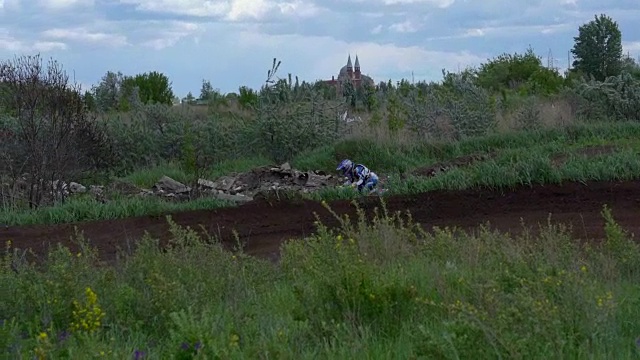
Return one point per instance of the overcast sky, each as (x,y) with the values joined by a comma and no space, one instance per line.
(232,42)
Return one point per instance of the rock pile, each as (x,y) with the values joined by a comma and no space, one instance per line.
(243,187)
(52,190)
(265,179)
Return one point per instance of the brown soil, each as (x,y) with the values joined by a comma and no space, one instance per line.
(448,165)
(590,151)
(262,226)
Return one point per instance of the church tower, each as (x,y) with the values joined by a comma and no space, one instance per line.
(349,68)
(357,68)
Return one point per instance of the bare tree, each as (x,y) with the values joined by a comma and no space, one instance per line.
(53,138)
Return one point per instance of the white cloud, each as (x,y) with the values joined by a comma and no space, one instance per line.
(405,27)
(381,61)
(255,9)
(172,33)
(9,42)
(45,46)
(84,35)
(183,7)
(155,34)
(438,3)
(474,33)
(300,8)
(233,10)
(9,5)
(63,4)
(632,48)
(91,36)
(518,30)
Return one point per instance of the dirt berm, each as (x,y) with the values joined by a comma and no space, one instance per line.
(262,226)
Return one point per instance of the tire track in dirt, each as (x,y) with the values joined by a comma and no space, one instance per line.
(262,226)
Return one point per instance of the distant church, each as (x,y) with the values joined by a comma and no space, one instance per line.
(350,73)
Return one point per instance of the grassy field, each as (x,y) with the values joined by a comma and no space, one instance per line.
(386,288)
(549,155)
(381,290)
(366,290)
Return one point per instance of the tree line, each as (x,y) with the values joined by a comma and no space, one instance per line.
(597,51)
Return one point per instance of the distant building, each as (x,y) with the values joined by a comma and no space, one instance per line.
(350,73)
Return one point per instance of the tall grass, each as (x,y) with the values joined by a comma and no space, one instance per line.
(380,289)
(88,209)
(516,159)
(390,157)
(146,178)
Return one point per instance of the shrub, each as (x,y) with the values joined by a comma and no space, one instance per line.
(617,97)
(50,138)
(376,283)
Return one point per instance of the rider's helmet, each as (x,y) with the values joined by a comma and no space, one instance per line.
(345,166)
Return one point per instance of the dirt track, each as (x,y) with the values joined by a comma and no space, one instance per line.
(262,227)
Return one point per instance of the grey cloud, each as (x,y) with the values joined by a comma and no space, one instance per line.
(345,20)
(504,26)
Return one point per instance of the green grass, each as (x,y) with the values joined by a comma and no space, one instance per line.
(86,209)
(386,158)
(524,167)
(380,290)
(518,158)
(146,178)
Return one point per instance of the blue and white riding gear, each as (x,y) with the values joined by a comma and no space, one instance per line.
(358,175)
(346,167)
(366,178)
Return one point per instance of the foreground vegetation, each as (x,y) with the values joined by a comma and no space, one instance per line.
(366,290)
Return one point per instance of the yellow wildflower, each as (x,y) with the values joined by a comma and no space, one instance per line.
(234,340)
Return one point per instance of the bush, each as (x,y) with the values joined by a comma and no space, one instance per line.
(616,98)
(375,284)
(292,118)
(49,137)
(470,108)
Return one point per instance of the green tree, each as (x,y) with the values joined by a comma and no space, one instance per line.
(206,91)
(598,48)
(631,66)
(369,97)
(108,94)
(89,101)
(247,97)
(524,73)
(153,88)
(190,99)
(349,93)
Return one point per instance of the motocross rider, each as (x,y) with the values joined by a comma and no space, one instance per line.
(358,175)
